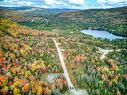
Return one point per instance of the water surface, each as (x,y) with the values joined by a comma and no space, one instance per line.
(102,34)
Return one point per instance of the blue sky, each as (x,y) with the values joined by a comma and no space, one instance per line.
(73,4)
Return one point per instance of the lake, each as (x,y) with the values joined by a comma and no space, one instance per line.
(102,34)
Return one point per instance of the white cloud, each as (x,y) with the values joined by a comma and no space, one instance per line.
(74,4)
(78,4)
(77,1)
(25,3)
(54,2)
(16,2)
(50,2)
(111,1)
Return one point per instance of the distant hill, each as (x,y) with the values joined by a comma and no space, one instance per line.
(38,10)
(113,20)
(15,8)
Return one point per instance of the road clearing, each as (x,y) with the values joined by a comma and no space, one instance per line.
(71,87)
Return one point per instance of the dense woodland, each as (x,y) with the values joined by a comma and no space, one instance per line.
(112,20)
(28,55)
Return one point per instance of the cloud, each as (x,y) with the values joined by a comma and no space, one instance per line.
(25,3)
(73,4)
(77,1)
(65,2)
(54,2)
(50,2)
(16,3)
(111,3)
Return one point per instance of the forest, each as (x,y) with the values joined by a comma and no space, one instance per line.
(28,55)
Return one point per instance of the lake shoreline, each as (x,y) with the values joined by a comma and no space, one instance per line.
(116,34)
(102,34)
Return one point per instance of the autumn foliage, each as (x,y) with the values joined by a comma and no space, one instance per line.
(18,73)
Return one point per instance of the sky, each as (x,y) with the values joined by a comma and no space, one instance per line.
(72,4)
